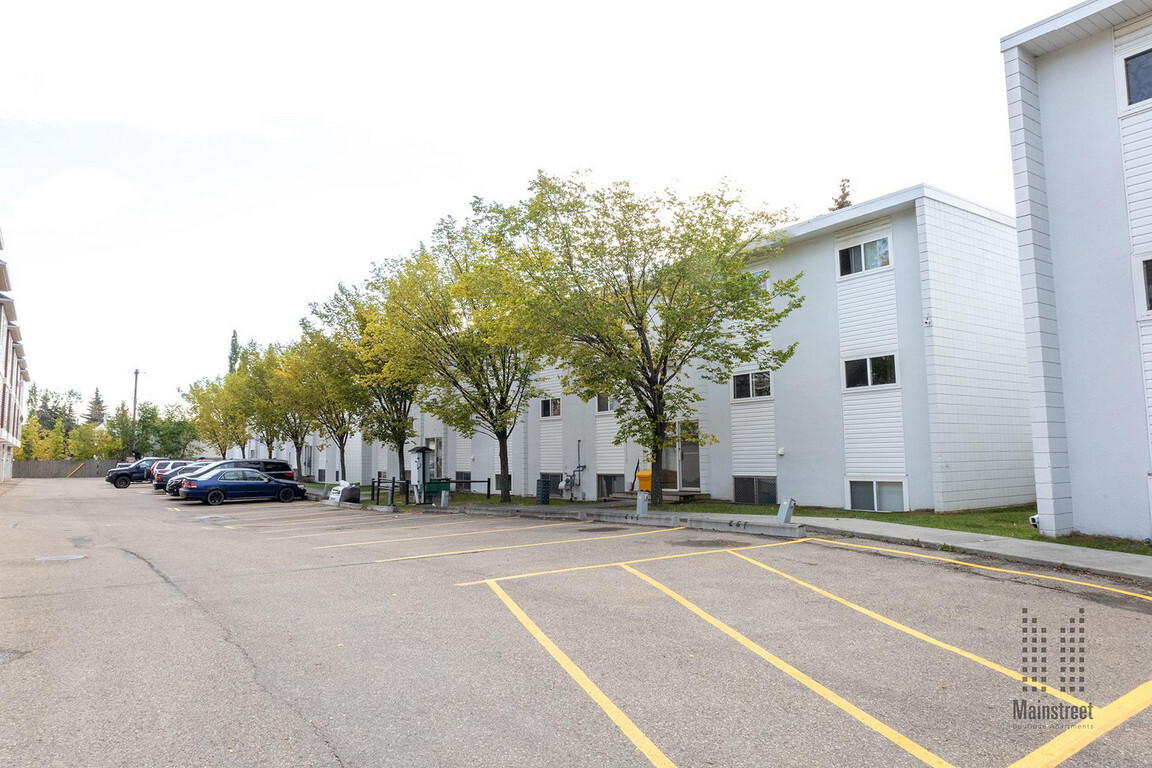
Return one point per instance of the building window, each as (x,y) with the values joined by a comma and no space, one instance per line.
(746,385)
(865,256)
(606,404)
(465,479)
(1138,73)
(503,481)
(876,496)
(550,407)
(1148,284)
(870,372)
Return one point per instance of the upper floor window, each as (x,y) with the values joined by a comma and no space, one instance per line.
(605,404)
(746,385)
(859,258)
(550,407)
(870,371)
(1148,283)
(1138,73)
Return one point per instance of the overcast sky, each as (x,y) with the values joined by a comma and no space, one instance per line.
(171,172)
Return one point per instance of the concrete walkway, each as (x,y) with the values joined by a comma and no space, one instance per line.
(1106,562)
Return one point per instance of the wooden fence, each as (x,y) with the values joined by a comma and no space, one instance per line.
(66,468)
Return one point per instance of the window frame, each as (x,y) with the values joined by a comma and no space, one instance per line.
(554,409)
(869,387)
(1142,43)
(751,386)
(608,401)
(875,480)
(860,241)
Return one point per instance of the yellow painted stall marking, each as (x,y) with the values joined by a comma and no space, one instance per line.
(521,546)
(827,694)
(622,721)
(443,535)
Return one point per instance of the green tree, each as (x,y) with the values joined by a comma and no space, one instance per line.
(148,430)
(119,426)
(33,441)
(82,441)
(255,374)
(174,432)
(290,393)
(455,302)
(96,409)
(328,389)
(381,362)
(233,353)
(58,442)
(635,294)
(210,414)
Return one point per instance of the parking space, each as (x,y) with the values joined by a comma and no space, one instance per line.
(568,642)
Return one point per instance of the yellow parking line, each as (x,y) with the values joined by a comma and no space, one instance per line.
(444,535)
(986,567)
(521,546)
(827,694)
(627,562)
(364,530)
(1077,737)
(622,721)
(914,633)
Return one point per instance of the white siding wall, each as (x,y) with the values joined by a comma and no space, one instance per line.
(551,441)
(463,454)
(609,458)
(866,314)
(976,363)
(873,433)
(754,438)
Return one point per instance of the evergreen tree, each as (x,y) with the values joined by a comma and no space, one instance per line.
(96,409)
(234,353)
(841,200)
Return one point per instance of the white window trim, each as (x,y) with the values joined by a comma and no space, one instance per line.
(849,479)
(1138,45)
(870,387)
(1139,293)
(550,416)
(864,237)
(612,406)
(751,398)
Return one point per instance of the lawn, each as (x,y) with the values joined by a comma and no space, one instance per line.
(1006,521)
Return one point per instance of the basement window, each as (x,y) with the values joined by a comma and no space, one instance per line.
(876,496)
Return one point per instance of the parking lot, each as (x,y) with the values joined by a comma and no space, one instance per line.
(300,634)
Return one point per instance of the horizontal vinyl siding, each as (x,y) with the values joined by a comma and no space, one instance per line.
(1146,359)
(463,454)
(609,457)
(551,445)
(866,305)
(1136,139)
(754,438)
(873,433)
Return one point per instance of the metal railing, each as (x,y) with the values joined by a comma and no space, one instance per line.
(391,487)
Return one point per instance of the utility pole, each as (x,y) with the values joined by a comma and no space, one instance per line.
(135,384)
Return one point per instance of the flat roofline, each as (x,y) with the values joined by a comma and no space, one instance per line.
(1054,22)
(877,207)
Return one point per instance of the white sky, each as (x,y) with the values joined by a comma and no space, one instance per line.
(189,169)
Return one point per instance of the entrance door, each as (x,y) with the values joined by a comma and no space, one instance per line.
(682,460)
(689,455)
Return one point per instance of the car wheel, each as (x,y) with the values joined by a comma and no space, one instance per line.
(214,498)
(286,495)
(122,482)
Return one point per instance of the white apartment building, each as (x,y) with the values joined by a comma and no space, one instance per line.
(1080,105)
(13,375)
(907,390)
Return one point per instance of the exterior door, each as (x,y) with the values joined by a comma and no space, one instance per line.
(689,455)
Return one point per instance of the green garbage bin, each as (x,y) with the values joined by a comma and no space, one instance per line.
(435,486)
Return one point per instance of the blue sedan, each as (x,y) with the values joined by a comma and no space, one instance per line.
(232,484)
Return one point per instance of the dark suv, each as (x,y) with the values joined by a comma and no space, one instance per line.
(136,472)
(277,468)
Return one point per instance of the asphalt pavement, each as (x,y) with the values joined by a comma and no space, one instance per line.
(266,634)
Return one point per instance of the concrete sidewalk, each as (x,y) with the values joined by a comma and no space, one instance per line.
(1102,561)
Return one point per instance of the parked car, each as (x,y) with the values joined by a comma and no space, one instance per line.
(276,468)
(161,470)
(136,472)
(237,484)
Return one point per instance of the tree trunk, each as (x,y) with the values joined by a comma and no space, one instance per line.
(659,432)
(269,446)
(399,460)
(506,485)
(243,451)
(299,461)
(343,470)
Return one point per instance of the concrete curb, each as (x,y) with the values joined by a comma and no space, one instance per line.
(767,526)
